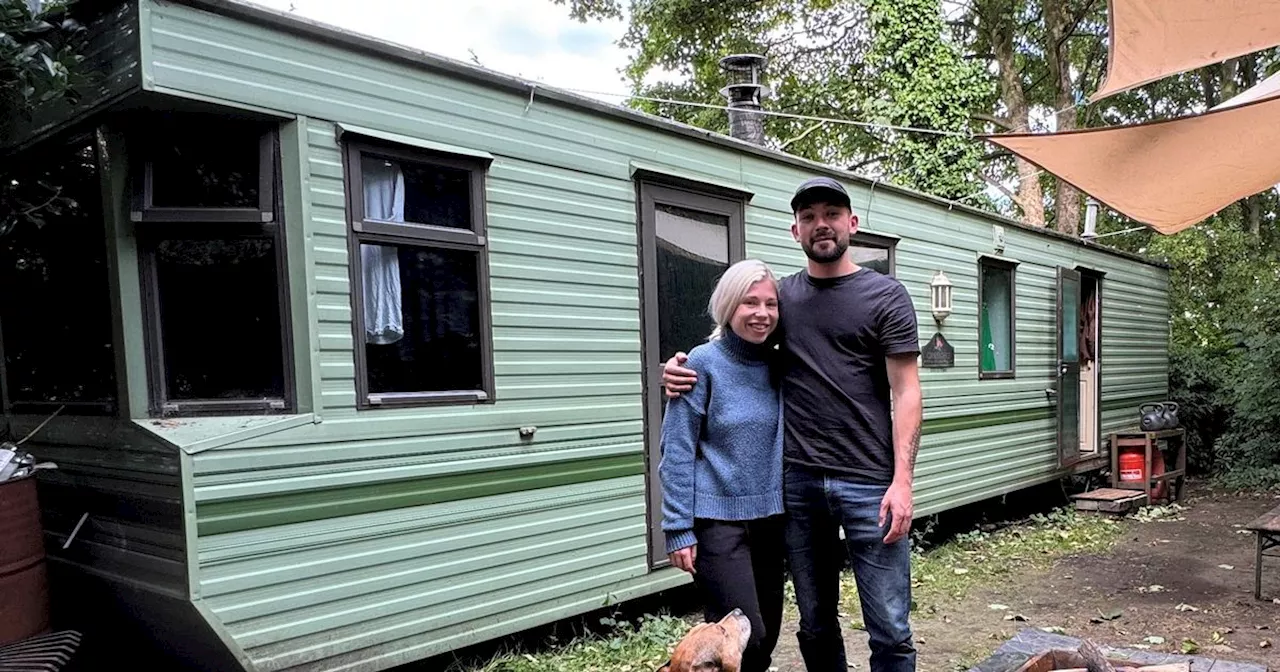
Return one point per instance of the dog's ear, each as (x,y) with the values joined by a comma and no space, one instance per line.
(665,667)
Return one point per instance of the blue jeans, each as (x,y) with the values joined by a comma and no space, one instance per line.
(818,504)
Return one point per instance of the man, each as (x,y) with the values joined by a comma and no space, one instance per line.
(849,342)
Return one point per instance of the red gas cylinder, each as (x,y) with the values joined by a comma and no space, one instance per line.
(24,588)
(1131,467)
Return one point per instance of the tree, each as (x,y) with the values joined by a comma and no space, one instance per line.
(881,61)
(923,82)
(40,56)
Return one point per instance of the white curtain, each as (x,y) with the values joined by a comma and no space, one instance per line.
(384,201)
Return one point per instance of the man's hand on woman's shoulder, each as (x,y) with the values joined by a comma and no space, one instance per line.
(675,378)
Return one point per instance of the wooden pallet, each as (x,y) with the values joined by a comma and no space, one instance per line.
(1110,500)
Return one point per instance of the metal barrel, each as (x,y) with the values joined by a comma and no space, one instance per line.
(24,584)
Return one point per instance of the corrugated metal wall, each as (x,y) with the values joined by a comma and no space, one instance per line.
(376,537)
(129,484)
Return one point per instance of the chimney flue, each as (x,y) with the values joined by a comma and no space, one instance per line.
(745,93)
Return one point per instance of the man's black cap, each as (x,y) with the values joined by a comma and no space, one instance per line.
(817,189)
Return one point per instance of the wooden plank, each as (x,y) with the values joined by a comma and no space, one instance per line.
(1105,494)
(1267,522)
(1133,501)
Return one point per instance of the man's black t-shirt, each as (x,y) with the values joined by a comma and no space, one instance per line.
(836,333)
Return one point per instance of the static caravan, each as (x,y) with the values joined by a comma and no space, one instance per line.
(357,348)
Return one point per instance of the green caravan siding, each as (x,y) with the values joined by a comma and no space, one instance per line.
(128,482)
(377,590)
(370,538)
(110,65)
(550,526)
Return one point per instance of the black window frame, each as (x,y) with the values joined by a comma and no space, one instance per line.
(160,224)
(415,234)
(265,213)
(1012,267)
(651,189)
(874,240)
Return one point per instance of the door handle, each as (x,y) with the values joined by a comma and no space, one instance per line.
(1050,391)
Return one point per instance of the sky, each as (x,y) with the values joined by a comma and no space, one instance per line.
(532,39)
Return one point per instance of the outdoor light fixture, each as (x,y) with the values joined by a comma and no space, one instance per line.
(1090,220)
(941,287)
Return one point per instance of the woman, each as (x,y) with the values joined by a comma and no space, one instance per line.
(721,467)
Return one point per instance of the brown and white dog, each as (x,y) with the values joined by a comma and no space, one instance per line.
(712,647)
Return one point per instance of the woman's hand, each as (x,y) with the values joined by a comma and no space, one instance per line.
(684,558)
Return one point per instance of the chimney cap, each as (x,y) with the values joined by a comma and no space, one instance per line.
(743,62)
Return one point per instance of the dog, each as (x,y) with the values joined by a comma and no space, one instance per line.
(712,647)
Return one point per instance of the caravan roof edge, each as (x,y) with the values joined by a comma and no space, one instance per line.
(348,39)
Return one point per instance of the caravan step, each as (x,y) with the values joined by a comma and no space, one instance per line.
(1110,500)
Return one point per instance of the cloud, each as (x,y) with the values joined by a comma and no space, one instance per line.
(532,39)
(585,41)
(519,39)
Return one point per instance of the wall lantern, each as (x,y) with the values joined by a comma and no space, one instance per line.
(941,287)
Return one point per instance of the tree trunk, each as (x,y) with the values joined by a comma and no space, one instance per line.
(1058,25)
(1235,76)
(1030,195)
(1251,215)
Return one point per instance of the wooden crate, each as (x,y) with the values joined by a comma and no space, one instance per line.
(1110,500)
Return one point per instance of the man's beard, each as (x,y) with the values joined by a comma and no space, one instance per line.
(835,254)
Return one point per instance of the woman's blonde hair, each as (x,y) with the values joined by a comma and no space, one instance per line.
(732,288)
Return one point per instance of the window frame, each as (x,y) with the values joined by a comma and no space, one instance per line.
(265,213)
(186,224)
(412,234)
(875,240)
(1012,267)
(710,199)
(10,406)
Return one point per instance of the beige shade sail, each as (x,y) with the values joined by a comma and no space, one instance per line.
(1152,39)
(1168,175)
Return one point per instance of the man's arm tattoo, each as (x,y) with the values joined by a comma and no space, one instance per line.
(914,449)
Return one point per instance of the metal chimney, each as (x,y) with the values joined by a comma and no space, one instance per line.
(744,93)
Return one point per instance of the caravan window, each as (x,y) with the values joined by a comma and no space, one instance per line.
(419,276)
(996,319)
(213,268)
(55,303)
(873,251)
(223,173)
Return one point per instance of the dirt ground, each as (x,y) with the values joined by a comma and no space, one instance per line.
(1184,558)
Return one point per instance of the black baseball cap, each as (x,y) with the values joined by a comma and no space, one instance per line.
(822,189)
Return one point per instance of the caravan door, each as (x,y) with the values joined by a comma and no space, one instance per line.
(1068,372)
(687,240)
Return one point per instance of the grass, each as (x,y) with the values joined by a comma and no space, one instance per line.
(949,570)
(943,572)
(631,646)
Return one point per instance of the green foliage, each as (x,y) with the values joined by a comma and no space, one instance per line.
(868,61)
(640,646)
(1248,453)
(39,64)
(39,55)
(924,82)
